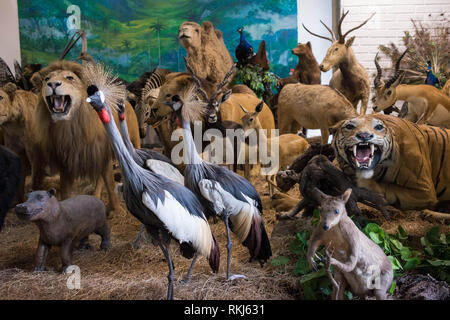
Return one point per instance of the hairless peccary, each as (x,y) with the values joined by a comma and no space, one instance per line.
(64,223)
(365,267)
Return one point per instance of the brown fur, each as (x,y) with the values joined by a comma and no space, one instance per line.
(206,50)
(347,243)
(446,88)
(77,147)
(414,162)
(16,122)
(312,107)
(290,146)
(418,96)
(64,224)
(307,70)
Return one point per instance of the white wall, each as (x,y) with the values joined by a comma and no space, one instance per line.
(9,35)
(309,13)
(392,18)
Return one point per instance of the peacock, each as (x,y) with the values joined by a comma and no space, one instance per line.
(431,78)
(244,50)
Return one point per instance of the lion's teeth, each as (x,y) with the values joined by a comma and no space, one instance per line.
(354,150)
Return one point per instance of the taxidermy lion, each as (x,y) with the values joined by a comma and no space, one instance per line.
(206,51)
(408,164)
(73,141)
(16,117)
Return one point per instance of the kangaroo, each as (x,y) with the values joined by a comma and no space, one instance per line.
(366,269)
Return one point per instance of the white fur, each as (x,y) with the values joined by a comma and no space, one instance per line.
(181,224)
(165,169)
(364,174)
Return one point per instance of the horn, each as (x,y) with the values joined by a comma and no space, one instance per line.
(329,30)
(314,34)
(397,71)
(353,29)
(377,79)
(243,109)
(196,81)
(224,81)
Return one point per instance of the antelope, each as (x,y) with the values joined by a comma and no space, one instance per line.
(290,146)
(421,96)
(352,79)
(312,106)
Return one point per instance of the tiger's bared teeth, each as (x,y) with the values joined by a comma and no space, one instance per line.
(354,150)
(372,149)
(357,163)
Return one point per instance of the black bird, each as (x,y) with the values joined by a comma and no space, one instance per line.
(244,50)
(223,193)
(168,209)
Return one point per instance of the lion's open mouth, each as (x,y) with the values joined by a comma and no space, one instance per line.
(59,104)
(364,155)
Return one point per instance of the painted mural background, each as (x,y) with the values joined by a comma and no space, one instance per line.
(134,36)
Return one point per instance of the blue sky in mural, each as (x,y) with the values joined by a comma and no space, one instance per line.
(136,36)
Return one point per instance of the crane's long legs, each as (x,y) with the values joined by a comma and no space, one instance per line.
(138,240)
(166,251)
(229,247)
(189,273)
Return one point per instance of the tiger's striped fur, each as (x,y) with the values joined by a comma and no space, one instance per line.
(413,166)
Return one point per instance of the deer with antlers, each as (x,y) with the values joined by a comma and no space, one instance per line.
(352,79)
(421,98)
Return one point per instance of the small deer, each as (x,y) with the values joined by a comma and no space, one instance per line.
(290,146)
(419,97)
(366,269)
(352,79)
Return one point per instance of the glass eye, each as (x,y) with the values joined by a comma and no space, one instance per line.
(336,211)
(336,49)
(349,126)
(69,78)
(379,127)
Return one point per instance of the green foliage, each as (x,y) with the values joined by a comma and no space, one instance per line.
(256,78)
(435,259)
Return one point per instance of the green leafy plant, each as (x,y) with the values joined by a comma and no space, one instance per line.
(256,79)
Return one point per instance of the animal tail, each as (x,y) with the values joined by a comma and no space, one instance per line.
(249,228)
(214,256)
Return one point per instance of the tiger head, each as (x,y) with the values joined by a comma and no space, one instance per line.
(363,143)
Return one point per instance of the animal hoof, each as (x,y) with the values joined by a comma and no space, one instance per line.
(105,247)
(38,269)
(236,276)
(84,246)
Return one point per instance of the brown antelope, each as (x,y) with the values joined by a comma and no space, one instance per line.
(312,107)
(290,146)
(351,79)
(424,96)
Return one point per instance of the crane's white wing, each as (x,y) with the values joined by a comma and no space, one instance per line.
(165,169)
(180,223)
(241,213)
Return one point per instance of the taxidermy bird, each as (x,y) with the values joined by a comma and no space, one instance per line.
(166,208)
(244,50)
(147,159)
(221,191)
(431,78)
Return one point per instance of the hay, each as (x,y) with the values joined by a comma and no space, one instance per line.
(126,273)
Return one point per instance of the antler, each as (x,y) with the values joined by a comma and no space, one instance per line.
(376,81)
(314,34)
(196,81)
(224,82)
(396,72)
(342,37)
(328,28)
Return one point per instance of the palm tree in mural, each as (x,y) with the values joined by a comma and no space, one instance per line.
(176,42)
(270,33)
(158,27)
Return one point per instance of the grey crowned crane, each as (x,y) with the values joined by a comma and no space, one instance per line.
(223,192)
(166,208)
(147,159)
